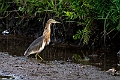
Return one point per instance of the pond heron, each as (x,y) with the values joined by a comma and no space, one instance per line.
(38,45)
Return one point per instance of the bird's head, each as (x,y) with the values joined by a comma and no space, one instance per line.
(52,21)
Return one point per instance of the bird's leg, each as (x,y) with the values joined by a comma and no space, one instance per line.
(38,56)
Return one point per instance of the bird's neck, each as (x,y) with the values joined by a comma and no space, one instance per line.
(47,30)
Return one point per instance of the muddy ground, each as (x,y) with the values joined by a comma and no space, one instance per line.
(21,68)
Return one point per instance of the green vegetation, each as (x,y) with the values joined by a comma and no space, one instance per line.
(105,12)
(85,60)
(83,12)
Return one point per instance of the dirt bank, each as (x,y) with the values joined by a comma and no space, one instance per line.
(29,69)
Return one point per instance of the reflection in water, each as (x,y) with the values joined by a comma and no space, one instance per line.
(13,45)
(16,45)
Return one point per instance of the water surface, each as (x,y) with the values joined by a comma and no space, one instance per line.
(15,45)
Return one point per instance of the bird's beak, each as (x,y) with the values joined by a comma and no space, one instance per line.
(57,22)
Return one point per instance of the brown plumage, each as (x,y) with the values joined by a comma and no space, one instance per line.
(38,45)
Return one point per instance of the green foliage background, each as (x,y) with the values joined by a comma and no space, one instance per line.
(82,12)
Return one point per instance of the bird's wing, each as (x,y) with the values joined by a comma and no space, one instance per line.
(39,40)
(34,46)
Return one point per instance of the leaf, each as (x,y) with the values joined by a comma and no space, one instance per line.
(118,27)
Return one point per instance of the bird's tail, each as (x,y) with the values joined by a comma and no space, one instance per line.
(26,53)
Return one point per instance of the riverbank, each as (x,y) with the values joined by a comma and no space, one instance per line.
(29,69)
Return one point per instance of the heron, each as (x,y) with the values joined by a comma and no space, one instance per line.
(39,44)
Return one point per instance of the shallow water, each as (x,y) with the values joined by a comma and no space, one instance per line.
(16,45)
